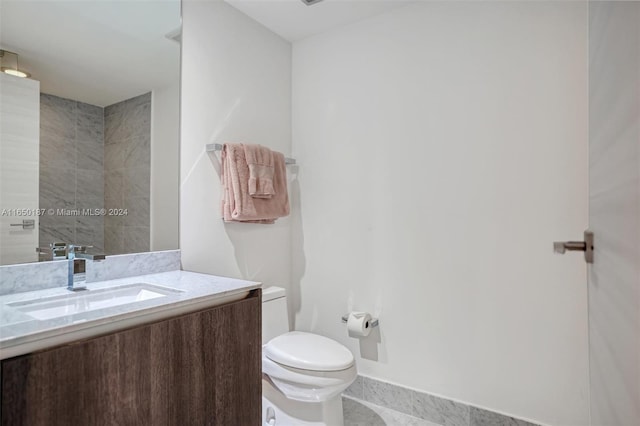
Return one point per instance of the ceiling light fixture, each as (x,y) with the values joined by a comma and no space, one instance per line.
(310,2)
(15,71)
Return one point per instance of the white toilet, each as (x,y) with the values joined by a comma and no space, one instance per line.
(303,374)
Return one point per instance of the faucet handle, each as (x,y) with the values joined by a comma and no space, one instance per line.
(78,251)
(55,251)
(79,248)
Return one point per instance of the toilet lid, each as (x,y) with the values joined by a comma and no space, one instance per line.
(308,351)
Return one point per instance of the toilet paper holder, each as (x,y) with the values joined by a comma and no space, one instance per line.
(374,321)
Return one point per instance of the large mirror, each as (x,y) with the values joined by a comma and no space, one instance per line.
(89,140)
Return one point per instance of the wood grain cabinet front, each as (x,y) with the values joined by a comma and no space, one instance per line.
(202,368)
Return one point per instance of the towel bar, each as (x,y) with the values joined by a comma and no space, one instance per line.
(218,147)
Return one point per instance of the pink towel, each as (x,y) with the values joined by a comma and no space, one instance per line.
(237,204)
(261,169)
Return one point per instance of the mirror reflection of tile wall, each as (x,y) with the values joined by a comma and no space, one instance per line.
(94,158)
(71,171)
(127,171)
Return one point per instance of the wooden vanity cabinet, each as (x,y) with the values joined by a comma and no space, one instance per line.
(202,368)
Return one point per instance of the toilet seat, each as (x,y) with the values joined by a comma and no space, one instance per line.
(308,367)
(307,385)
(308,351)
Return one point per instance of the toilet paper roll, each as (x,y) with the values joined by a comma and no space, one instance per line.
(359,324)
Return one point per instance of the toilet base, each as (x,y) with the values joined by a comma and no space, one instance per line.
(278,410)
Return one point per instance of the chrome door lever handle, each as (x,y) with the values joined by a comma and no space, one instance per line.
(561,247)
(586,246)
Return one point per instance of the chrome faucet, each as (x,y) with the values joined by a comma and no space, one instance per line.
(77,266)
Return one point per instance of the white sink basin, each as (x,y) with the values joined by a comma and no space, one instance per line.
(91,300)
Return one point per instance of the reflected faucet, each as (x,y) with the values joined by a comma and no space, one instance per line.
(77,267)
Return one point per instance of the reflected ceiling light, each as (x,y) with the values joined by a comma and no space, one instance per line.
(15,71)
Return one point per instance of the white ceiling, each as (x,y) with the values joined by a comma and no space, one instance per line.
(104,51)
(293,20)
(98,52)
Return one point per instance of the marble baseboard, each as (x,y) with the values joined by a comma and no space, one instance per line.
(360,413)
(427,407)
(41,275)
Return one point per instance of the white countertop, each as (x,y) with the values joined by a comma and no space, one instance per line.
(21,333)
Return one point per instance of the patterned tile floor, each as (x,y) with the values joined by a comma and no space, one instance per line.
(361,413)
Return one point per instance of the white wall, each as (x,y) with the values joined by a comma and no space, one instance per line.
(442,149)
(236,86)
(19,167)
(165,137)
(614,216)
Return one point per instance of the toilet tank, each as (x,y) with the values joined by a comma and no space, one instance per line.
(275,318)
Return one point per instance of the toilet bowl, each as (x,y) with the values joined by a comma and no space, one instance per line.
(304,374)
